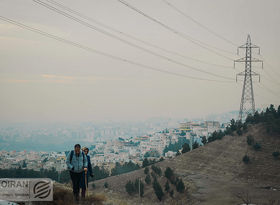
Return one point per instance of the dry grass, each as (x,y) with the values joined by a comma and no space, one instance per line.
(214,174)
(63,195)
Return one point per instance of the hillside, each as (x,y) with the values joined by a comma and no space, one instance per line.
(213,174)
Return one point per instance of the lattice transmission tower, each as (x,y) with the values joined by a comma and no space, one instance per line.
(247,105)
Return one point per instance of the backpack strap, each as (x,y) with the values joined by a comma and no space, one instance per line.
(71,156)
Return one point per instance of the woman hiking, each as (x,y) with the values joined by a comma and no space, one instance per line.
(86,174)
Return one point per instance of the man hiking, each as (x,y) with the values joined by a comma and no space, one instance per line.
(77,163)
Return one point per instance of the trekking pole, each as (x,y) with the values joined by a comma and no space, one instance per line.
(86,193)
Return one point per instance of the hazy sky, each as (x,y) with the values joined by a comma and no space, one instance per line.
(45,80)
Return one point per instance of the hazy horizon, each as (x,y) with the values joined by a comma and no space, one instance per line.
(42,80)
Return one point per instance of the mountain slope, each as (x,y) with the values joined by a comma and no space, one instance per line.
(213,174)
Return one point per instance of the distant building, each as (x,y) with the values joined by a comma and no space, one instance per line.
(170,154)
(185,126)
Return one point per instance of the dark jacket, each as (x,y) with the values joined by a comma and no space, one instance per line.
(89,173)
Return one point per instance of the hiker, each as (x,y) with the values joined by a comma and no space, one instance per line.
(84,181)
(77,164)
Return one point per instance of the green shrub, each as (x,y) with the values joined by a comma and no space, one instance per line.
(168,173)
(158,190)
(133,188)
(171,193)
(195,145)
(106,185)
(180,186)
(167,187)
(276,154)
(154,175)
(239,132)
(157,170)
(130,188)
(147,162)
(186,148)
(148,179)
(257,146)
(250,140)
(176,180)
(146,170)
(173,179)
(246,159)
(93,185)
(204,140)
(137,186)
(245,127)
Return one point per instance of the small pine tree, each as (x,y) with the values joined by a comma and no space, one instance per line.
(204,140)
(136,185)
(130,188)
(145,162)
(158,190)
(250,140)
(245,127)
(168,173)
(246,159)
(257,146)
(157,170)
(239,132)
(167,187)
(154,175)
(195,145)
(148,179)
(276,154)
(173,179)
(106,185)
(186,148)
(24,165)
(171,193)
(146,170)
(176,180)
(180,186)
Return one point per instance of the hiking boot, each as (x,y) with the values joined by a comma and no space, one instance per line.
(77,198)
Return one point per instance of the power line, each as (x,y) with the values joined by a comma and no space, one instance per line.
(182,35)
(270,90)
(268,98)
(272,79)
(89,49)
(198,23)
(269,65)
(128,42)
(133,37)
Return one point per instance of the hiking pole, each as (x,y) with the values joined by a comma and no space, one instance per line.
(86,183)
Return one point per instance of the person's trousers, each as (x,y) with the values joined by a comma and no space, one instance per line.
(76,179)
(83,193)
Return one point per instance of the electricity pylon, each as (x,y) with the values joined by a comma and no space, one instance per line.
(247,105)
